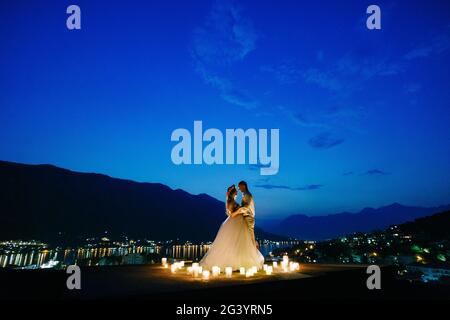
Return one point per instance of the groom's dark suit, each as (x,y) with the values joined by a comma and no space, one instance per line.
(249,213)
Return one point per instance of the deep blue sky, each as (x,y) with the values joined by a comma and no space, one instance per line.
(363,115)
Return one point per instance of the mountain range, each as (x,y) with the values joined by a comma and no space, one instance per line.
(334,225)
(49,203)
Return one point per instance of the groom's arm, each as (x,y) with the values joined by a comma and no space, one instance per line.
(237,212)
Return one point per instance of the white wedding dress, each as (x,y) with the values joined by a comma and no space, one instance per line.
(234,245)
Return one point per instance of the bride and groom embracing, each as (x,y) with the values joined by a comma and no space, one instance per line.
(235,245)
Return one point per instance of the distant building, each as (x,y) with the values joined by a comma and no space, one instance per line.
(133,258)
(431,272)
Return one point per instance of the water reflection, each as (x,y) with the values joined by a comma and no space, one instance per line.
(38,258)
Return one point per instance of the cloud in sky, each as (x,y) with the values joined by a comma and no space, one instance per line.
(323,79)
(225,38)
(302,118)
(285,187)
(284,73)
(341,78)
(376,172)
(324,140)
(362,68)
(438,45)
(239,98)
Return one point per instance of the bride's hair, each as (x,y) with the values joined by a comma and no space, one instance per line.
(231,191)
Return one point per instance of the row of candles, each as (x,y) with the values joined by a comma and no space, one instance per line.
(197,270)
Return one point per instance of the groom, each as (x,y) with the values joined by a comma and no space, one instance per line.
(249,212)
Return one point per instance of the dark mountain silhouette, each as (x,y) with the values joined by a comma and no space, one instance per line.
(431,228)
(334,225)
(49,203)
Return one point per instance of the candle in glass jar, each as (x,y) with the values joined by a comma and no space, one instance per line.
(269,270)
(164,261)
(275,264)
(291,266)
(205,274)
(228,271)
(242,270)
(215,271)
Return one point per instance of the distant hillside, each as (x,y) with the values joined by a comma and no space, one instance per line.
(432,228)
(40,201)
(334,225)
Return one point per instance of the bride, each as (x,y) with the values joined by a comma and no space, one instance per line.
(235,244)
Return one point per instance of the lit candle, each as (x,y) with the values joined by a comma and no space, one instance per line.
(242,270)
(215,271)
(254,270)
(285,259)
(265,267)
(181,264)
(189,270)
(195,269)
(269,270)
(291,266)
(164,261)
(249,273)
(228,271)
(275,264)
(205,274)
(173,268)
(166,266)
